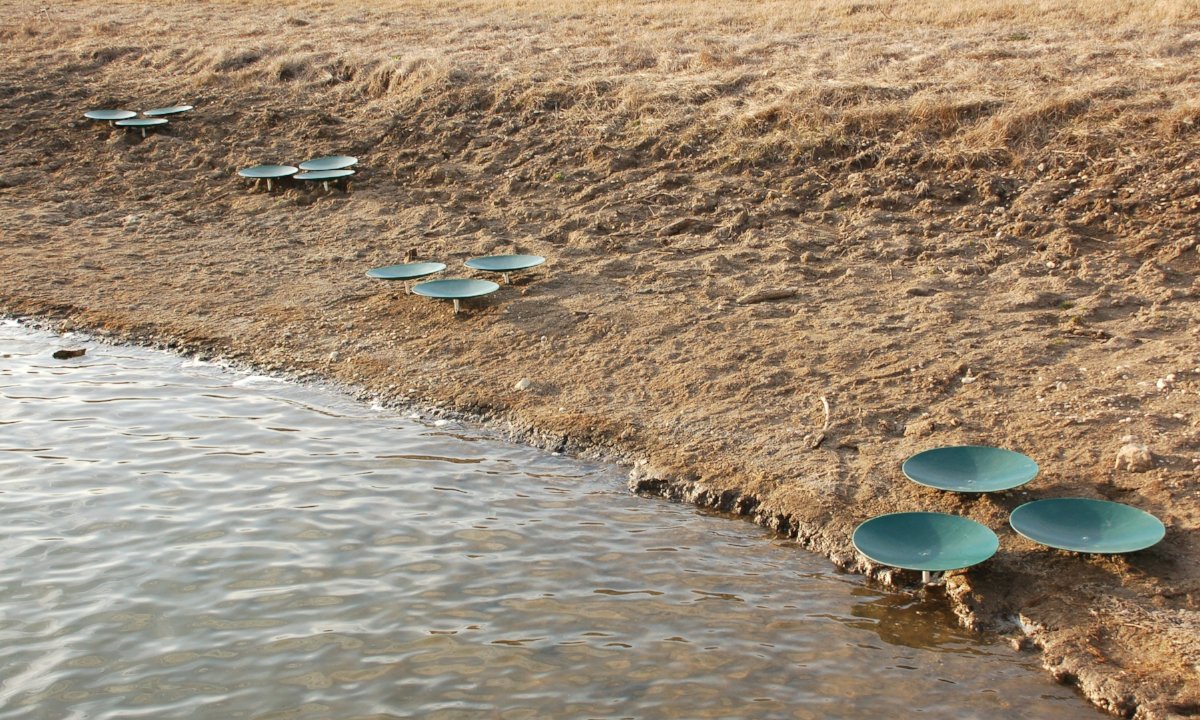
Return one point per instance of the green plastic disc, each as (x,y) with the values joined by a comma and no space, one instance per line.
(269,172)
(142,122)
(925,541)
(1088,526)
(109,115)
(505,263)
(407,271)
(332,162)
(455,288)
(970,468)
(324,175)
(163,111)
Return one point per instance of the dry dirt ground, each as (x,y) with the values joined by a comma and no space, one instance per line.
(948,223)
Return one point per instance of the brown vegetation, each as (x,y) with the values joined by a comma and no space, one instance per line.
(962,222)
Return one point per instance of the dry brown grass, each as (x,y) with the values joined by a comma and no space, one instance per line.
(777,87)
(763,82)
(971,89)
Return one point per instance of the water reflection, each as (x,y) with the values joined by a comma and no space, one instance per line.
(912,621)
(169,551)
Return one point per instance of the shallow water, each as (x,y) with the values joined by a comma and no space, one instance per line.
(180,540)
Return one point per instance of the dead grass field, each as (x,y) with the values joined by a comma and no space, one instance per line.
(978,222)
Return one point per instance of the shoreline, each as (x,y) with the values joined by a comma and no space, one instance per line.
(778,264)
(899,631)
(506,429)
(954,588)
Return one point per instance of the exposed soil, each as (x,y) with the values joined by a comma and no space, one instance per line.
(780,259)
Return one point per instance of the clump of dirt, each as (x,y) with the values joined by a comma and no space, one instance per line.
(780,261)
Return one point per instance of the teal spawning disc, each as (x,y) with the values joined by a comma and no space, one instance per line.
(926,541)
(1088,526)
(163,111)
(407,271)
(970,468)
(332,162)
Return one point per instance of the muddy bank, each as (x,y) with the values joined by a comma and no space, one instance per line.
(780,260)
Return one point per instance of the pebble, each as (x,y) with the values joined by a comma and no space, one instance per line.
(766,295)
(1134,456)
(523,384)
(1121,343)
(920,428)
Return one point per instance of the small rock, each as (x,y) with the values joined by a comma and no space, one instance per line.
(523,384)
(919,291)
(736,225)
(765,295)
(1020,643)
(678,226)
(1121,343)
(68,354)
(1133,456)
(920,428)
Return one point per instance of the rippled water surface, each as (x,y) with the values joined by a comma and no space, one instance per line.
(182,541)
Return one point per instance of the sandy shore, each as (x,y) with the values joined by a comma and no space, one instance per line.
(784,253)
